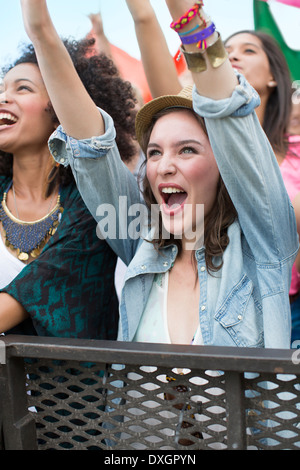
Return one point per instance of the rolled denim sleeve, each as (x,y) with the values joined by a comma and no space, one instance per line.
(251,173)
(65,148)
(242,102)
(102,179)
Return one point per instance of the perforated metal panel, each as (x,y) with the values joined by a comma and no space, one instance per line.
(132,408)
(161,398)
(273,411)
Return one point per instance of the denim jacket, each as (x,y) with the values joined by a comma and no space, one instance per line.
(246,303)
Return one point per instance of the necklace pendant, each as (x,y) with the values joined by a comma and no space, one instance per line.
(35,253)
(27,239)
(23,256)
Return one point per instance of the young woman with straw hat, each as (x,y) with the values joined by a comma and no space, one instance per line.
(217,270)
(258,57)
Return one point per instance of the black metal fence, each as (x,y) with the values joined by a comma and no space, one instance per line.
(74,394)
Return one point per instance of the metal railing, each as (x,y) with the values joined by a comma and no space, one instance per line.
(60,393)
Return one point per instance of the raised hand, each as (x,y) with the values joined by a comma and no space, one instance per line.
(75,109)
(97,23)
(213,82)
(35,17)
(140,10)
(157,61)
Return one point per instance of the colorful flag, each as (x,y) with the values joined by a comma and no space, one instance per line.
(264,21)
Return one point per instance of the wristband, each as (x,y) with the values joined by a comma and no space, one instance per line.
(200,37)
(216,55)
(187,17)
(190,31)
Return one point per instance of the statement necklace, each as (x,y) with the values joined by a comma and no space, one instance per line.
(28,238)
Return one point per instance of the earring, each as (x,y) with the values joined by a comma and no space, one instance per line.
(272,84)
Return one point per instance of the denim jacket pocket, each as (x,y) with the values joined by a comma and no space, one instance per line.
(241,315)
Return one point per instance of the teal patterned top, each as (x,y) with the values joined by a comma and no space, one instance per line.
(68,291)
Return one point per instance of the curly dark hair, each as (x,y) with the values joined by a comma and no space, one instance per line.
(108,91)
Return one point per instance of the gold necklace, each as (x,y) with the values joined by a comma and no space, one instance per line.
(28,238)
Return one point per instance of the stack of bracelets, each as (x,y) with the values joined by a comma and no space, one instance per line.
(215,52)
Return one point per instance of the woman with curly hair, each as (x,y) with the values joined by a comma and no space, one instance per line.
(56,275)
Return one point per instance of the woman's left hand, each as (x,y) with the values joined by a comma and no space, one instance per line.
(35,16)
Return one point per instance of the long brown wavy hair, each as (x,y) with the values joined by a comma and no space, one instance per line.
(221,216)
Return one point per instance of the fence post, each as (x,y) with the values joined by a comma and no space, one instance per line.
(2,404)
(18,425)
(235,404)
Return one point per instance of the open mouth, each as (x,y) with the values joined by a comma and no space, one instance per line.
(7,119)
(173,197)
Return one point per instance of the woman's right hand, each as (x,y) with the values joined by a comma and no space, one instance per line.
(75,110)
(97,23)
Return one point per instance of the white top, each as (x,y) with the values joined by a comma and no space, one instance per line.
(10,266)
(153,327)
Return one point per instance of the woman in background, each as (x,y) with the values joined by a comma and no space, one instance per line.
(257,56)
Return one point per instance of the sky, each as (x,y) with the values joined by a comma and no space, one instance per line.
(70,18)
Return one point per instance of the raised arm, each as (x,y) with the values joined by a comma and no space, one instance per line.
(102,43)
(214,82)
(244,156)
(75,109)
(157,61)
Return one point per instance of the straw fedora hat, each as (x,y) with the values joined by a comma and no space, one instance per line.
(147,112)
